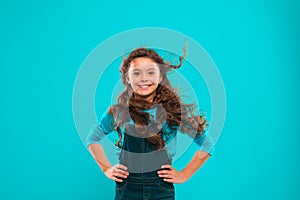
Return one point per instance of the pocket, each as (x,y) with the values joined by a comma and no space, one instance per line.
(166,186)
(120,185)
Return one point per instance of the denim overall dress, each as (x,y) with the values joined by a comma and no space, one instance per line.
(143,161)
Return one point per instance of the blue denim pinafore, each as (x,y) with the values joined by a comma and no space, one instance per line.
(143,161)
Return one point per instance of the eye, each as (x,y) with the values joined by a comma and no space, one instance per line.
(151,72)
(136,73)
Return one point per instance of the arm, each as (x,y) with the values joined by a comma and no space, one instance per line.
(111,172)
(98,154)
(197,161)
(206,147)
(174,176)
(96,134)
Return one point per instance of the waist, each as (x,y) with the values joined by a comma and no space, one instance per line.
(144,164)
(146,177)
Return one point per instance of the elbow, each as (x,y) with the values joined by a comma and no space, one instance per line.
(203,155)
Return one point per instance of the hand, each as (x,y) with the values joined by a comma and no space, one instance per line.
(116,171)
(171,174)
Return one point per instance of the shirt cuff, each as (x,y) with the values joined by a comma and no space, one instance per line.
(205,143)
(95,135)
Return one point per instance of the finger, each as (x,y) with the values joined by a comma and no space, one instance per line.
(117,179)
(164,172)
(121,171)
(173,172)
(120,175)
(120,166)
(167,167)
(165,175)
(170,180)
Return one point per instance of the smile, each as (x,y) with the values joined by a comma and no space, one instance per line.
(145,87)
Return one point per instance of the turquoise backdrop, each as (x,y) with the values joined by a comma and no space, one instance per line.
(255,45)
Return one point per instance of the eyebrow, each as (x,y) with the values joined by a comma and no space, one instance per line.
(152,68)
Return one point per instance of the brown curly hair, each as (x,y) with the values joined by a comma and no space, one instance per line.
(169,106)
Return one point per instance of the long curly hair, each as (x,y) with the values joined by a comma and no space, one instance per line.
(168,105)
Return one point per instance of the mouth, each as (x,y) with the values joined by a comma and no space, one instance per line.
(145,86)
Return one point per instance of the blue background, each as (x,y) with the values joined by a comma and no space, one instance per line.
(255,45)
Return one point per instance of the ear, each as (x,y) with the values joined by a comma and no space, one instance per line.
(160,79)
(127,80)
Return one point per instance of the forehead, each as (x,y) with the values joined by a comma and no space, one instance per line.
(143,63)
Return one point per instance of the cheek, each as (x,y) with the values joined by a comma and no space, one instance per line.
(132,79)
(156,79)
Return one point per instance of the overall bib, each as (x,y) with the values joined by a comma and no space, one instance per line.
(143,161)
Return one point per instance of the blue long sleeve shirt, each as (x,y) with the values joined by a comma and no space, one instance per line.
(105,126)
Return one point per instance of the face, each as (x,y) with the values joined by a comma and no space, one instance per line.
(144,76)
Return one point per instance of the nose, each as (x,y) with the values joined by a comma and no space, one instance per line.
(144,78)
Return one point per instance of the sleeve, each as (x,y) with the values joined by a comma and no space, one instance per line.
(170,137)
(104,126)
(205,143)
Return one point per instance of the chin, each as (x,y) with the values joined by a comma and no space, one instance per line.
(145,93)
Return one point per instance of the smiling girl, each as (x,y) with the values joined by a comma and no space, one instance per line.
(147,117)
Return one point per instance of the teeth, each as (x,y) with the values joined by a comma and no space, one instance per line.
(144,86)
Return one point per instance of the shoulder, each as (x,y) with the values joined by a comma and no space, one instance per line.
(106,116)
(106,120)
(111,111)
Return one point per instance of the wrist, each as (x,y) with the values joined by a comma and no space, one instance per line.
(184,175)
(104,168)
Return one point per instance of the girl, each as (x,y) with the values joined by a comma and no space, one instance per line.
(146,118)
